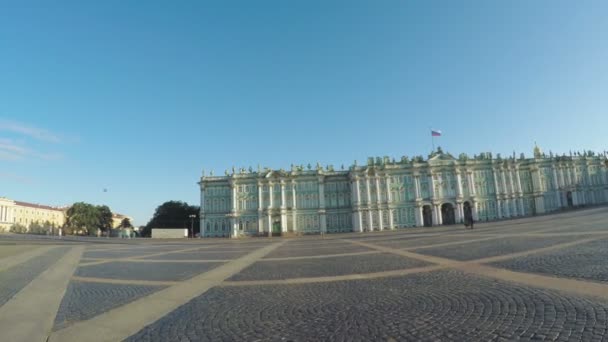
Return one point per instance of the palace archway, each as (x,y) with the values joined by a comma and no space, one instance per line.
(447,213)
(427,216)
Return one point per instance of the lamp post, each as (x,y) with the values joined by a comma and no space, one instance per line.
(192,217)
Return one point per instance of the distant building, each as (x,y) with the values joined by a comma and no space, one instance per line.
(117,219)
(25,213)
(388,194)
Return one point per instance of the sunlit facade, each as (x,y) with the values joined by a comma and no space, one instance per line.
(386,194)
(24,213)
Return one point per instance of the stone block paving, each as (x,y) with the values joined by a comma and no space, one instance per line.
(314,250)
(84,300)
(433,306)
(326,267)
(490,248)
(422,241)
(586,261)
(165,271)
(14,279)
(200,255)
(121,253)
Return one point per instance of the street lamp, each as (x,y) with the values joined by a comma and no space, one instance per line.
(192,217)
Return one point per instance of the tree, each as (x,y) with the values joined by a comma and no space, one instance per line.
(172,214)
(125,223)
(105,218)
(82,217)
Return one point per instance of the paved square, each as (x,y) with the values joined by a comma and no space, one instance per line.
(326,267)
(585,261)
(540,278)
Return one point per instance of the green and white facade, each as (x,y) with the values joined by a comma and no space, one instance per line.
(388,194)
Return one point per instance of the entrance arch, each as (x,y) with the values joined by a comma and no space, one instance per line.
(427,216)
(447,214)
(569,199)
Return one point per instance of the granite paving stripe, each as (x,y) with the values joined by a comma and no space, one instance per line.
(14,279)
(485,249)
(14,260)
(430,306)
(145,271)
(306,268)
(29,315)
(83,301)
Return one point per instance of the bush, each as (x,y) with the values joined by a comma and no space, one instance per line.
(18,228)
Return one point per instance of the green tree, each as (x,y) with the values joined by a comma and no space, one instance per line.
(125,223)
(105,218)
(172,214)
(82,217)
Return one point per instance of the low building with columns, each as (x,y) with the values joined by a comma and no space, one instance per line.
(386,194)
(24,213)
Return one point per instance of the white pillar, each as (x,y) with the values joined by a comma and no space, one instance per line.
(434,215)
(472,183)
(370,217)
(439,218)
(558,197)
(294,205)
(432,181)
(459,181)
(283,208)
(269,224)
(270,195)
(260,209)
(417,186)
(378,203)
(322,216)
(389,199)
(418,215)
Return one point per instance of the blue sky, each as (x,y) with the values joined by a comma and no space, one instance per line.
(138,97)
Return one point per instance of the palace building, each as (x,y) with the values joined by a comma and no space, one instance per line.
(386,194)
(24,213)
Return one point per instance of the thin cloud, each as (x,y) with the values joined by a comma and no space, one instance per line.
(11,150)
(16,178)
(30,131)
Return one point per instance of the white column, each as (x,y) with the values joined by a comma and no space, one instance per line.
(472,183)
(260,209)
(370,214)
(322,216)
(504,182)
(283,206)
(459,181)
(434,215)
(432,182)
(283,201)
(233,186)
(270,195)
(294,205)
(269,223)
(378,201)
(558,196)
(418,215)
(438,214)
(496,185)
(457,212)
(417,186)
(389,199)
(357,215)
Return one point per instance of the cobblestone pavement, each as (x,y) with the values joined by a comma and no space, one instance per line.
(86,300)
(502,246)
(585,261)
(333,266)
(443,305)
(532,279)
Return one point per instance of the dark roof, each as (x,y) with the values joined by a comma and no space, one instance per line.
(37,206)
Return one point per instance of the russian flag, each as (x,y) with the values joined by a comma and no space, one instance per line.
(435,133)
